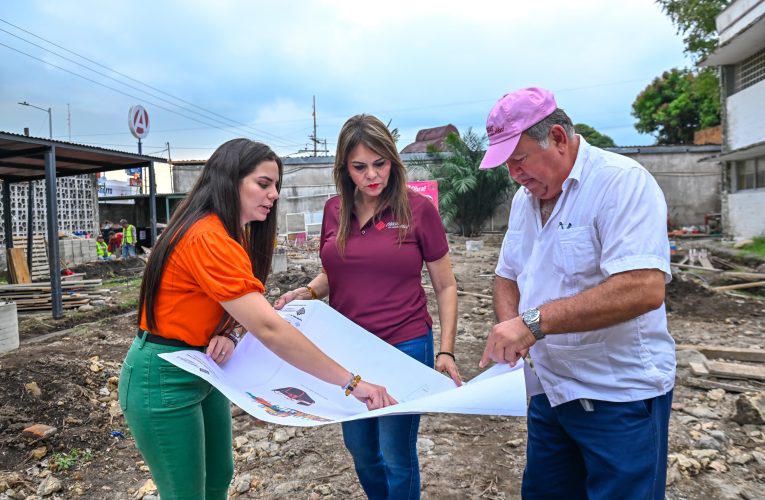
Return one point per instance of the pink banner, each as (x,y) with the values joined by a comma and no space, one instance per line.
(428,189)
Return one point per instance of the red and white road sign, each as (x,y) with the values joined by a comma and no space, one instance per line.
(138,121)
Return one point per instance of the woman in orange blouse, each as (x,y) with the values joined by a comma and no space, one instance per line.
(205,274)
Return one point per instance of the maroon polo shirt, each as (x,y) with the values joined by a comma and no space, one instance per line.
(377,282)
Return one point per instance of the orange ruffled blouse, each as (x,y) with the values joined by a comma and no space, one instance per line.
(206,267)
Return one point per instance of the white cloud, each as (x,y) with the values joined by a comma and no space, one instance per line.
(417,63)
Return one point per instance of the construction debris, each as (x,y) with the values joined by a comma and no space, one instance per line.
(76,292)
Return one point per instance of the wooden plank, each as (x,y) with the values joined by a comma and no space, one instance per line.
(703,383)
(704,261)
(740,286)
(17,266)
(734,370)
(9,264)
(744,276)
(698,368)
(734,353)
(689,266)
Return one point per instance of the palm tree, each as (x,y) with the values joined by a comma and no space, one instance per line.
(468,196)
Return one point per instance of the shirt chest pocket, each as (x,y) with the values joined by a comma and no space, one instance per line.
(576,258)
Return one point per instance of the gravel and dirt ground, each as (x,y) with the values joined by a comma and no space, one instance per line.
(68,381)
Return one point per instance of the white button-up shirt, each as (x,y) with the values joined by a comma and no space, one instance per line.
(611,217)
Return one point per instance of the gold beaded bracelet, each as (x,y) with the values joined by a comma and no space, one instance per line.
(313,293)
(352,383)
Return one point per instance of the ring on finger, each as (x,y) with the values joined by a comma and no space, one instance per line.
(223,353)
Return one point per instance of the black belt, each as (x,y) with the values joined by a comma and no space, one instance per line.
(158,339)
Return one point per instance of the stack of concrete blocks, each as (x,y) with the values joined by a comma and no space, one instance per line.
(74,252)
(77,206)
(77,212)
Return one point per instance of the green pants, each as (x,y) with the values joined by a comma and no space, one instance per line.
(181,425)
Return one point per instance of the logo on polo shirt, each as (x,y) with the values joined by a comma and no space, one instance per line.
(390,225)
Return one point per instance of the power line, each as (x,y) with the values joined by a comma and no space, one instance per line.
(114,79)
(122,92)
(257,131)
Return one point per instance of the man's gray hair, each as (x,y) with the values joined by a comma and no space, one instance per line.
(541,130)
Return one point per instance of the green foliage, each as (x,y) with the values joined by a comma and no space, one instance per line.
(695,20)
(394,131)
(468,197)
(594,137)
(64,461)
(677,104)
(757,247)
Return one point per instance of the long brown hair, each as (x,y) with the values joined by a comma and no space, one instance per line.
(216,192)
(372,133)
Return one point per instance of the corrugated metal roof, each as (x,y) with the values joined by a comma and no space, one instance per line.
(22,158)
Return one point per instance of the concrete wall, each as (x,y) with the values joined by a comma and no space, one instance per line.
(745,211)
(307,184)
(691,188)
(746,117)
(184,176)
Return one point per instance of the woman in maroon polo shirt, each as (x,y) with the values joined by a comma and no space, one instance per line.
(375,237)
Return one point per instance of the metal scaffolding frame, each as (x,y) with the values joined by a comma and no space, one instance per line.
(26,159)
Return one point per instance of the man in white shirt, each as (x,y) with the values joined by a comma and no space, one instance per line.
(580,285)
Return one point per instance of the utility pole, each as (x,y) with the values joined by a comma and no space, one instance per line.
(313,138)
(69,121)
(170,164)
(316,142)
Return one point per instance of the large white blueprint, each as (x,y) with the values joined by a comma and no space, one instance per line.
(270,389)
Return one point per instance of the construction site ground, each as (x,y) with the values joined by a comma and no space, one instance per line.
(64,375)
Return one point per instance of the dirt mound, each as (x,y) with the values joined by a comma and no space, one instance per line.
(106,269)
(294,277)
(686,297)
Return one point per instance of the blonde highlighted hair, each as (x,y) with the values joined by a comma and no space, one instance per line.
(372,133)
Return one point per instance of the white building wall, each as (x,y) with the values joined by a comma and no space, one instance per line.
(738,16)
(746,119)
(746,209)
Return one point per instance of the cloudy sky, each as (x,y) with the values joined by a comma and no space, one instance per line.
(211,70)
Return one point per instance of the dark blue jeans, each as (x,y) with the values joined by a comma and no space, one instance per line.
(384,449)
(617,450)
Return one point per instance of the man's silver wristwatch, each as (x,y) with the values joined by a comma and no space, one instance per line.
(532,318)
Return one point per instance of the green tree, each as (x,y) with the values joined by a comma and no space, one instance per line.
(695,20)
(594,137)
(468,196)
(677,104)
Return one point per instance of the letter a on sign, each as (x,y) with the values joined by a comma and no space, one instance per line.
(138,121)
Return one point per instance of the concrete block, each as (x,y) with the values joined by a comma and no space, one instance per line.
(9,327)
(279,263)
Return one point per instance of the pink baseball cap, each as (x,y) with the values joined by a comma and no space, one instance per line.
(514,113)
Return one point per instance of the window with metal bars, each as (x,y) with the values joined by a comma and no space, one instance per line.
(750,71)
(750,174)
